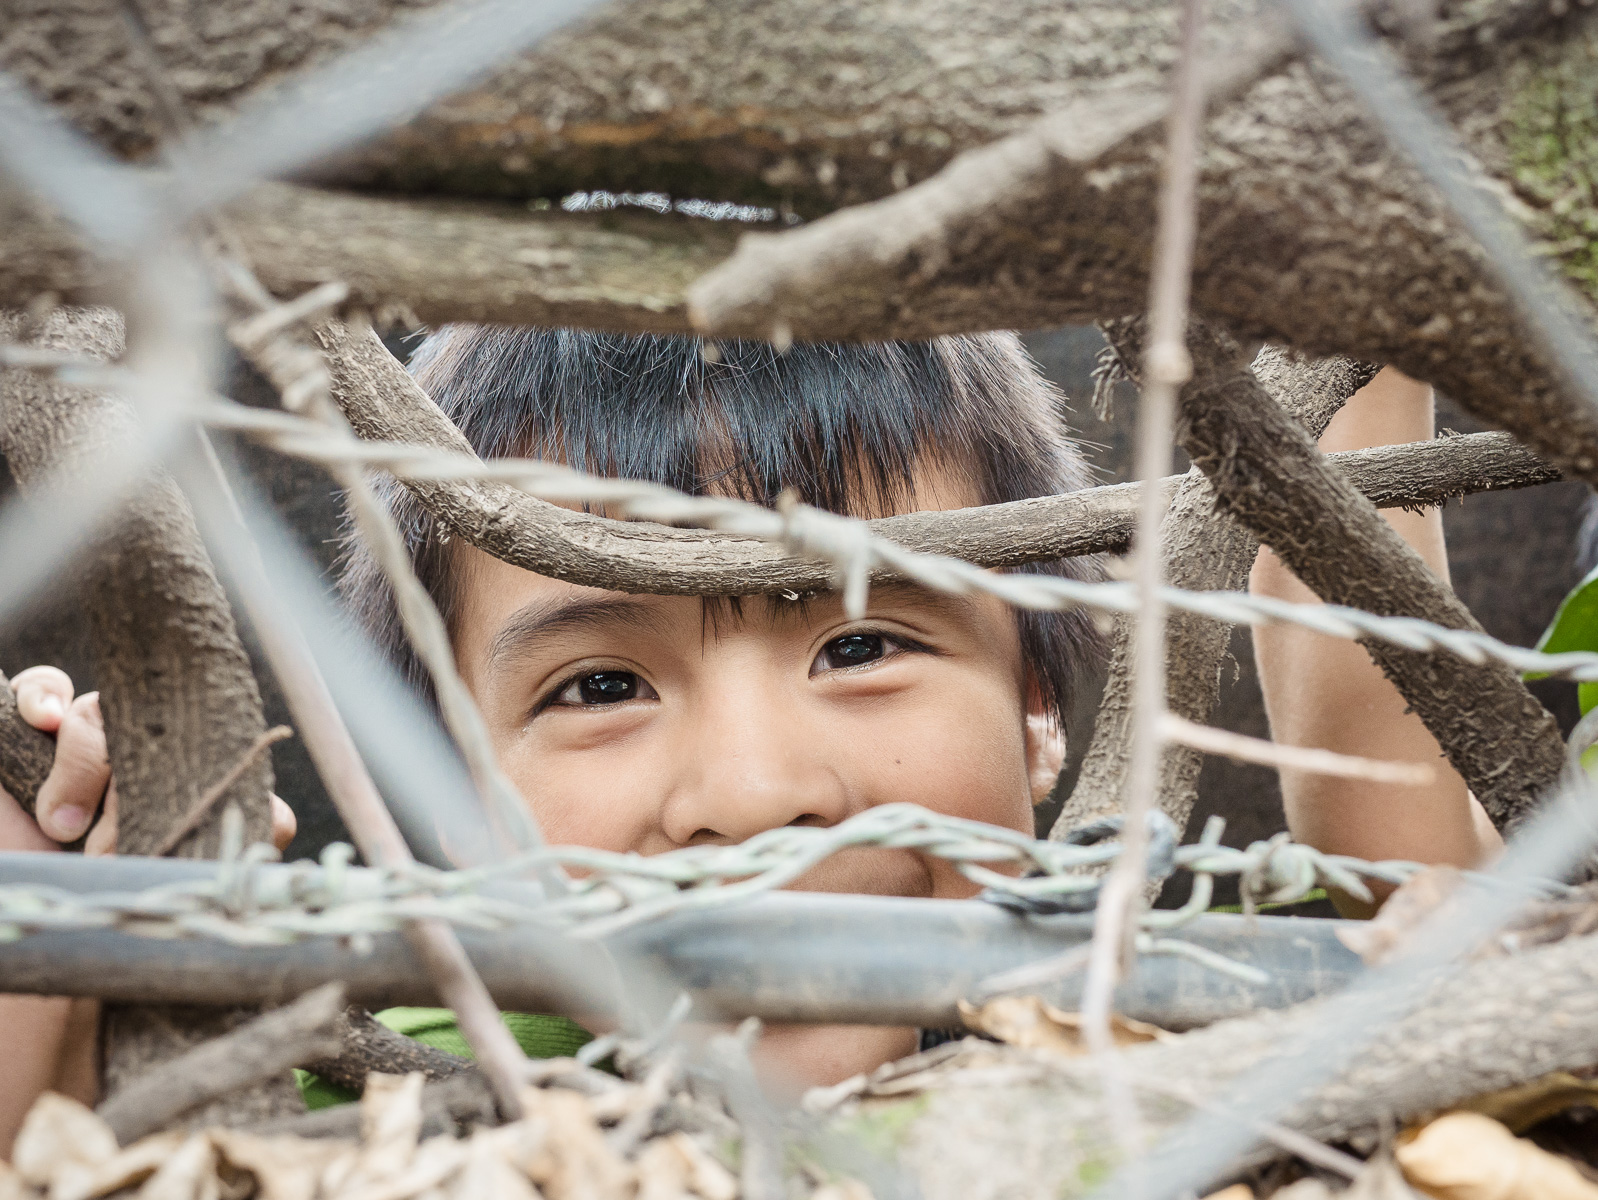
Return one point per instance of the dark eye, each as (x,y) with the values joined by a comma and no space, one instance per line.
(850,650)
(605,687)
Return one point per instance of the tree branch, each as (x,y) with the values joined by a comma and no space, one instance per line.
(1467,1037)
(384,403)
(421,259)
(1268,473)
(179,701)
(366,1045)
(257,1051)
(1205,549)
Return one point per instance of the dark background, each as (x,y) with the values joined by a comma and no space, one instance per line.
(1512,555)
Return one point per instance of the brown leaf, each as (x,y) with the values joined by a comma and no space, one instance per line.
(1238,1191)
(707,1178)
(485,1175)
(12,1185)
(58,1131)
(1032,1024)
(391,1123)
(285,1168)
(1522,1106)
(1466,1156)
(1383,936)
(579,1165)
(189,1173)
(852,1189)
(1380,1180)
(662,1171)
(79,1181)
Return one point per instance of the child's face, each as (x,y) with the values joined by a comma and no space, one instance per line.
(646,723)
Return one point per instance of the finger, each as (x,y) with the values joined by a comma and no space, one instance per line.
(43,696)
(102,839)
(18,830)
(284,824)
(69,797)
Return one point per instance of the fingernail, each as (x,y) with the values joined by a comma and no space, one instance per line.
(50,705)
(68,822)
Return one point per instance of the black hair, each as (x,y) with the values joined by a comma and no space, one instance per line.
(843,425)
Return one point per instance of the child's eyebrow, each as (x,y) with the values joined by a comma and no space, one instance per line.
(540,622)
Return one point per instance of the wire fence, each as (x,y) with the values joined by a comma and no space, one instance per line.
(132,215)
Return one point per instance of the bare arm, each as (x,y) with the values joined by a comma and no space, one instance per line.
(1326,692)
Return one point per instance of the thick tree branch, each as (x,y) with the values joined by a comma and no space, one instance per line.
(980,1139)
(1268,474)
(180,704)
(253,1053)
(428,260)
(384,403)
(365,1045)
(1205,549)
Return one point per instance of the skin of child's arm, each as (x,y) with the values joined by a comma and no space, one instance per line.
(1326,692)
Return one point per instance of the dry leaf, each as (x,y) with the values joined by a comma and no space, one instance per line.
(391,1123)
(1380,938)
(285,1168)
(58,1130)
(853,1189)
(80,1181)
(434,1162)
(1466,1156)
(189,1173)
(1238,1191)
(662,1171)
(707,1178)
(1032,1024)
(579,1165)
(12,1185)
(1380,1180)
(1304,1189)
(486,1175)
(1521,1107)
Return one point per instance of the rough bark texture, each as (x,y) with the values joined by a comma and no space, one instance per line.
(263,1049)
(384,403)
(1002,1132)
(1312,233)
(25,753)
(1204,549)
(179,701)
(420,260)
(365,1046)
(1268,474)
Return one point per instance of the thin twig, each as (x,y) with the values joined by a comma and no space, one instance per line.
(215,792)
(1240,748)
(1167,367)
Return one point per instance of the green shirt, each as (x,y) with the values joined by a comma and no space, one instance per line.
(539,1035)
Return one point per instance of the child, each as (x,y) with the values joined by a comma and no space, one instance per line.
(647,723)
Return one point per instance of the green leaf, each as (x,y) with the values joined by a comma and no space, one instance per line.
(1575,627)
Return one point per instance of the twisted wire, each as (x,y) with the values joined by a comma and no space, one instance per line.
(854,550)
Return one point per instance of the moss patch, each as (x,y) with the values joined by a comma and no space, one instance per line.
(1552,139)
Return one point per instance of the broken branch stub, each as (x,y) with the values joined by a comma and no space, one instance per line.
(1269,474)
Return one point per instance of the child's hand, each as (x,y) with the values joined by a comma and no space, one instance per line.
(81,775)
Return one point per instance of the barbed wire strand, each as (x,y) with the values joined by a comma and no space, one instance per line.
(856,551)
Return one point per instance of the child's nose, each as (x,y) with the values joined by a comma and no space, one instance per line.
(752,772)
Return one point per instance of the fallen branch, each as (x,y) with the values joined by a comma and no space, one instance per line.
(1268,473)
(262,1049)
(1204,549)
(384,403)
(994,1130)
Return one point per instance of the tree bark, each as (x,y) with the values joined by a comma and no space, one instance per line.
(1204,549)
(384,403)
(1027,1126)
(1268,473)
(179,701)
(417,260)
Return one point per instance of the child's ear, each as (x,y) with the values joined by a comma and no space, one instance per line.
(1045,746)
